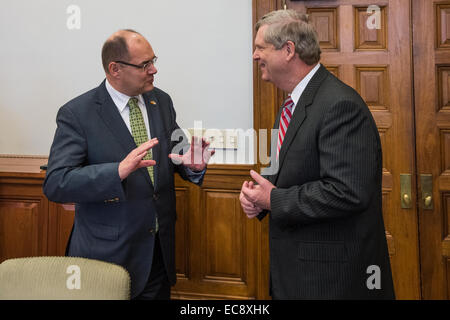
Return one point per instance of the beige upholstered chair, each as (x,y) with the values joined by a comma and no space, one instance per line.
(62,278)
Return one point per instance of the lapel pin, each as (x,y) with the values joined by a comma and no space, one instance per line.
(153,102)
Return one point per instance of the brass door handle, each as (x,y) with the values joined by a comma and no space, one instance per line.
(405,191)
(407,199)
(426,181)
(427,201)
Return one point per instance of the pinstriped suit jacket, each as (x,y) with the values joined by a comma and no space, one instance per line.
(326,223)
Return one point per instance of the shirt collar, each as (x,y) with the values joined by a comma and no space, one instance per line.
(297,92)
(120,99)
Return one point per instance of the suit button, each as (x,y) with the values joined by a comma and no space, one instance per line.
(155,196)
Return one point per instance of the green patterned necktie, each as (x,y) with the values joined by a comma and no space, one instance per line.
(139,131)
(140,136)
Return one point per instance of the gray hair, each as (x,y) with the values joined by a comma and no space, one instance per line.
(290,25)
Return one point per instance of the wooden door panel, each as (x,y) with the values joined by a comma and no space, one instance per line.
(431,34)
(442,25)
(377,63)
(182,235)
(223,232)
(370,38)
(60,225)
(216,245)
(325,21)
(19,228)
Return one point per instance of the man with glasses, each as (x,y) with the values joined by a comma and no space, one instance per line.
(111,156)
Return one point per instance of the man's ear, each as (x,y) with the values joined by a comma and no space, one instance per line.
(290,49)
(113,69)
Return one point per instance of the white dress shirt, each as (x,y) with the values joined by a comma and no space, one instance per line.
(121,102)
(298,90)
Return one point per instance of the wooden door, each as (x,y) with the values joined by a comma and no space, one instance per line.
(369,48)
(431,34)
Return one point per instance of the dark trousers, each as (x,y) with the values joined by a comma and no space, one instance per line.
(158,286)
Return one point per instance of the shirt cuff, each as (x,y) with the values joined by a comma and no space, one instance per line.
(195,177)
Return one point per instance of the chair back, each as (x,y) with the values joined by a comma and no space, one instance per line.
(62,278)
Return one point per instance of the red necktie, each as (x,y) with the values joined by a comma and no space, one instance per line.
(286,116)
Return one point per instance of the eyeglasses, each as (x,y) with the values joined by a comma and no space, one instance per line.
(144,67)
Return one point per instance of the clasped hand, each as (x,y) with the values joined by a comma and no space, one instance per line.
(255,197)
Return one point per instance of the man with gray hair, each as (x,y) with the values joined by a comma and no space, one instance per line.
(327,236)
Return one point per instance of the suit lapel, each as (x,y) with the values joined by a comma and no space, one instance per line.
(113,120)
(299,115)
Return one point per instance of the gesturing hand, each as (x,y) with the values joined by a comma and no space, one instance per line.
(133,160)
(197,157)
(255,195)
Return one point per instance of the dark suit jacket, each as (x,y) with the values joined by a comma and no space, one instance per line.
(326,223)
(114,219)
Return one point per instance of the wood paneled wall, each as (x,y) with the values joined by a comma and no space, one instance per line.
(218,248)
(23,208)
(220,254)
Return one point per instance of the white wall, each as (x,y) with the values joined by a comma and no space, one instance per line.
(205,62)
